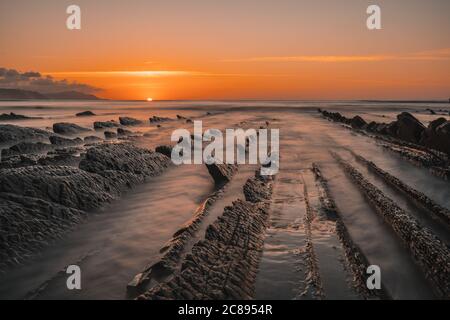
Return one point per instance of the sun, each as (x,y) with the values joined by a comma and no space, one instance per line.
(149,99)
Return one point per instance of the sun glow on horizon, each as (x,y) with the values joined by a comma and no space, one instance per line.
(149,99)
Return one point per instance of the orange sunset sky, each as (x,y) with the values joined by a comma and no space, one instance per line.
(247,49)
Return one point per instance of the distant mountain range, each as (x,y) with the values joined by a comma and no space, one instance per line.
(18,94)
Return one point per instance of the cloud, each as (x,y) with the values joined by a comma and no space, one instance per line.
(154,74)
(35,81)
(432,55)
(147,74)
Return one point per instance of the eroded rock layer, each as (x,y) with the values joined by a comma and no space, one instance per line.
(224,264)
(430,253)
(37,203)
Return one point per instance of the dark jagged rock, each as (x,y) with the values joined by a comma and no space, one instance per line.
(392,129)
(92,139)
(10,133)
(14,116)
(123,132)
(409,128)
(257,189)
(67,186)
(38,203)
(156,119)
(223,265)
(27,223)
(85,114)
(174,250)
(60,141)
(105,124)
(24,148)
(436,136)
(165,150)
(125,158)
(110,135)
(221,173)
(357,122)
(431,111)
(66,128)
(371,126)
(127,121)
(181,117)
(436,123)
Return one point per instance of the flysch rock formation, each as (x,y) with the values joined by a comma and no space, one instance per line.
(11,134)
(429,252)
(407,136)
(225,263)
(38,203)
(173,250)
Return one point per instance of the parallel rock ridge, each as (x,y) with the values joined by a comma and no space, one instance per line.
(172,251)
(357,261)
(437,210)
(407,136)
(406,128)
(221,173)
(430,253)
(224,264)
(37,203)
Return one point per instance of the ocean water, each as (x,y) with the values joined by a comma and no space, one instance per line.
(121,239)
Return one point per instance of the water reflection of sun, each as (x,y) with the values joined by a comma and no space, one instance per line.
(149,99)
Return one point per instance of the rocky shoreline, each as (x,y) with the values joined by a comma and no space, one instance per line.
(424,146)
(39,202)
(224,264)
(173,250)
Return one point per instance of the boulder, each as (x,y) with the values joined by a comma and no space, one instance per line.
(105,124)
(127,121)
(85,114)
(156,119)
(110,135)
(437,135)
(92,139)
(372,126)
(357,122)
(66,128)
(123,132)
(409,128)
(10,133)
(436,123)
(392,128)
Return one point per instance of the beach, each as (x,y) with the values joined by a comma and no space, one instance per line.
(346,196)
